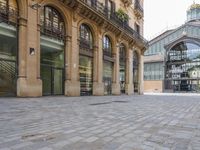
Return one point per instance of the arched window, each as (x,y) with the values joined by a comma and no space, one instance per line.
(107,46)
(122,63)
(86,40)
(8,11)
(183,67)
(86,60)
(52,23)
(52,54)
(107,65)
(184,51)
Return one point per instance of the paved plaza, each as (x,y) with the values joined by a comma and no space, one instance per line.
(148,122)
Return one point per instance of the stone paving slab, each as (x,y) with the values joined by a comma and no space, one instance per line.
(148,122)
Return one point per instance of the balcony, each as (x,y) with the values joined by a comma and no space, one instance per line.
(138,10)
(103,16)
(8,14)
(52,32)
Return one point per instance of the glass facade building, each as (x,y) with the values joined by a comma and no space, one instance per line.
(173,58)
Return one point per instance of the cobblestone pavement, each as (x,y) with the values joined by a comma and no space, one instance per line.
(148,122)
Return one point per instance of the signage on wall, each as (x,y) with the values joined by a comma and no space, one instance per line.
(32,51)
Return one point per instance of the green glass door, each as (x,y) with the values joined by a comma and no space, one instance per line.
(52,71)
(52,80)
(107,77)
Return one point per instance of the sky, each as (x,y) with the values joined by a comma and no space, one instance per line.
(160,15)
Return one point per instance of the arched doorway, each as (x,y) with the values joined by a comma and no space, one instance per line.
(135,72)
(8,47)
(107,65)
(183,67)
(122,67)
(52,51)
(86,60)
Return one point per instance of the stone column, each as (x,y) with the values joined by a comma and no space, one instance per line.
(22,60)
(129,72)
(72,83)
(98,86)
(141,75)
(29,83)
(116,82)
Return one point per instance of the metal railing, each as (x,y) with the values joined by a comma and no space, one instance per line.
(85,45)
(107,52)
(107,13)
(52,32)
(8,14)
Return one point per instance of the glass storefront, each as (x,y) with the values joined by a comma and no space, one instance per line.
(107,77)
(183,67)
(135,72)
(122,64)
(52,72)
(86,60)
(86,75)
(107,65)
(52,52)
(8,48)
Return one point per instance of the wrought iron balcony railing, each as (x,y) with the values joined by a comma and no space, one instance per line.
(85,45)
(107,52)
(8,14)
(52,32)
(107,13)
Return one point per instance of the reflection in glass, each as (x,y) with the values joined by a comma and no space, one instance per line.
(135,71)
(107,65)
(183,67)
(52,52)
(8,47)
(86,75)
(86,60)
(122,63)
(107,77)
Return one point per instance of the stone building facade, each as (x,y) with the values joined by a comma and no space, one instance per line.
(71,47)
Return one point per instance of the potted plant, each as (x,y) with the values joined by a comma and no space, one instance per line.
(122,15)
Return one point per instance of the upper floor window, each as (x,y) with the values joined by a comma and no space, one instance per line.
(184,51)
(135,60)
(52,22)
(107,46)
(122,53)
(8,11)
(86,39)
